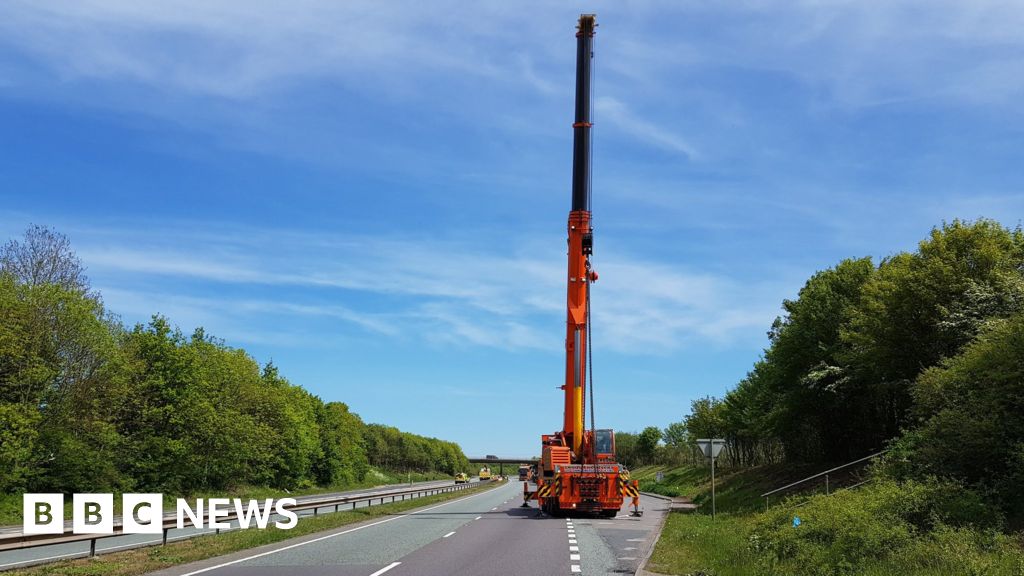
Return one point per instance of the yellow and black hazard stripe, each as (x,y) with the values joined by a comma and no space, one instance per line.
(627,488)
(553,488)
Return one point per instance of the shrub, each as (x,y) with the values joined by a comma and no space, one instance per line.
(838,534)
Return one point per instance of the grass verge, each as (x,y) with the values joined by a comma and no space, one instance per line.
(737,489)
(144,560)
(884,529)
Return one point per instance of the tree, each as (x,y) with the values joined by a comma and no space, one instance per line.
(44,257)
(675,435)
(647,444)
(705,418)
(625,449)
(973,410)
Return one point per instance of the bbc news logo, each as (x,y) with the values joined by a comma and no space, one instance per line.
(144,513)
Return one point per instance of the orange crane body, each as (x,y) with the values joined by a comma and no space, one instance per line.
(577,470)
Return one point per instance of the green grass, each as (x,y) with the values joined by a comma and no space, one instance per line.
(694,543)
(145,560)
(11,504)
(736,489)
(887,529)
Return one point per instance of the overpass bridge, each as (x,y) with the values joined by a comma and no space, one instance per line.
(492,459)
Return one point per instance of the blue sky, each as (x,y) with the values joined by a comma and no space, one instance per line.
(374,194)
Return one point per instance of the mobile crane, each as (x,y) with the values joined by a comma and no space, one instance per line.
(577,471)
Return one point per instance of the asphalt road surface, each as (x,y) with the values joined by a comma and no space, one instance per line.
(482,534)
(42,554)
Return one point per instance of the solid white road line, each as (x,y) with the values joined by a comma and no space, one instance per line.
(448,534)
(385,569)
(143,544)
(329,536)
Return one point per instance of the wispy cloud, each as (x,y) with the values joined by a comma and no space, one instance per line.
(450,293)
(644,131)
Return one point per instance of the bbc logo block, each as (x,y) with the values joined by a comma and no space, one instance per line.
(144,513)
(92,513)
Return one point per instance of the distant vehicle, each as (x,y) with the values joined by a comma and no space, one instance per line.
(461,478)
(491,457)
(524,473)
(485,473)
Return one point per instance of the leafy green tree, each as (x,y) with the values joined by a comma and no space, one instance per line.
(343,454)
(625,449)
(973,406)
(18,439)
(675,435)
(921,308)
(647,444)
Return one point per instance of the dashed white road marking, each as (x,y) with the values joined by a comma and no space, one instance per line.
(575,568)
(493,509)
(628,558)
(630,548)
(385,569)
(574,557)
(448,534)
(574,548)
(573,541)
(478,517)
(635,540)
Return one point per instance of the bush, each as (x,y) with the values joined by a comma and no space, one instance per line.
(841,533)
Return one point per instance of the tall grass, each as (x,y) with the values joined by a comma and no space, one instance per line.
(887,528)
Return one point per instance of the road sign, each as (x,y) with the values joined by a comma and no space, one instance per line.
(711,447)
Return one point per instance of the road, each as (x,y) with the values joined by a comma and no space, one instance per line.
(484,534)
(29,556)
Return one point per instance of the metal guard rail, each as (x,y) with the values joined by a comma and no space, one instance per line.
(819,475)
(18,541)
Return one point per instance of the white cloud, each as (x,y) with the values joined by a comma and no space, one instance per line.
(449,293)
(646,132)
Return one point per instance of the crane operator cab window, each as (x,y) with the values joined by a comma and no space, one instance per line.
(604,442)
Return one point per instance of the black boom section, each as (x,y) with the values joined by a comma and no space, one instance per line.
(581,127)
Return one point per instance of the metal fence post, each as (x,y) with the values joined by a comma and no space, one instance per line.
(165,537)
(92,548)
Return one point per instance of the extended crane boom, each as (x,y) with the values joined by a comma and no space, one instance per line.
(578,470)
(581,242)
